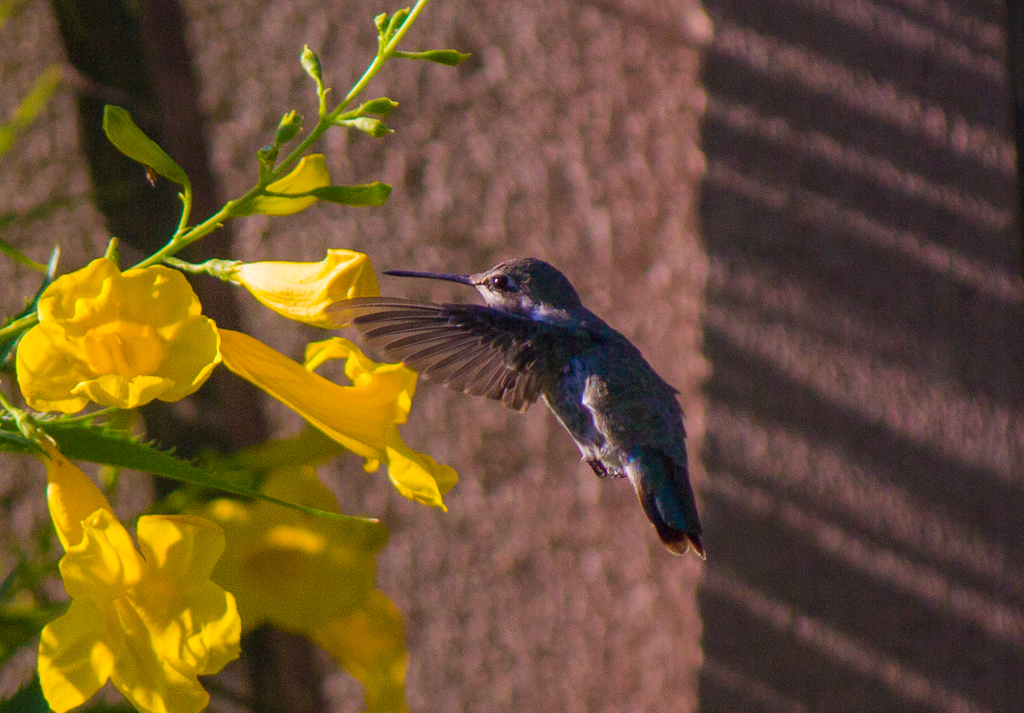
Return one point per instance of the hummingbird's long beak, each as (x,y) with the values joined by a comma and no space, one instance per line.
(462,279)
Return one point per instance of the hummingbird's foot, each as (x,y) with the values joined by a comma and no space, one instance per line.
(602,470)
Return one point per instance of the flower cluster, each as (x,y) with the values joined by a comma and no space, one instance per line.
(314,577)
(118,339)
(153,611)
(149,618)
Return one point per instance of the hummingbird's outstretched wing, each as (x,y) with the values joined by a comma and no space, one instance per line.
(469,348)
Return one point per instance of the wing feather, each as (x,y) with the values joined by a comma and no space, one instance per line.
(470,348)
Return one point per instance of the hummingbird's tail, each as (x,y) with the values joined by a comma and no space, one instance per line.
(663,485)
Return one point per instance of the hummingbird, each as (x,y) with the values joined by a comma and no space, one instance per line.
(534,339)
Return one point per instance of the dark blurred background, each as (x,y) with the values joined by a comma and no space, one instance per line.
(804,212)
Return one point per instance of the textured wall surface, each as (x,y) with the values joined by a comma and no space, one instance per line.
(570,135)
(864,327)
(807,223)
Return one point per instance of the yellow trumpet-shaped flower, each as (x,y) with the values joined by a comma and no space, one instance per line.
(311,172)
(301,290)
(315,577)
(148,619)
(119,339)
(362,417)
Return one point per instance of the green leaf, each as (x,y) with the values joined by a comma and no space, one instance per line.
(375,193)
(40,210)
(113,251)
(16,255)
(267,155)
(11,441)
(447,57)
(133,143)
(380,107)
(8,342)
(99,444)
(374,127)
(44,88)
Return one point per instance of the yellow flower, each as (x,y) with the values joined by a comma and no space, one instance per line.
(315,577)
(311,172)
(149,619)
(301,290)
(119,339)
(362,417)
(369,645)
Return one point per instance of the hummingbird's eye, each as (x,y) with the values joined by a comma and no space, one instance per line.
(501,283)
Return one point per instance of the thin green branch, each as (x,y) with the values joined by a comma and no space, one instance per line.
(186,238)
(110,410)
(19,325)
(186,211)
(8,406)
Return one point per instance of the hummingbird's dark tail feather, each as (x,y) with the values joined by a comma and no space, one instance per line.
(679,542)
(663,485)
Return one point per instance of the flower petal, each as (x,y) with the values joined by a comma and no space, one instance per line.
(48,369)
(158,685)
(113,390)
(104,564)
(74,660)
(390,386)
(150,624)
(292,569)
(60,301)
(215,644)
(417,476)
(157,296)
(302,290)
(192,354)
(310,173)
(180,547)
(355,418)
(71,497)
(192,619)
(117,339)
(370,645)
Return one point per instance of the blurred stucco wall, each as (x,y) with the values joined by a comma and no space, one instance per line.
(865,447)
(852,306)
(571,135)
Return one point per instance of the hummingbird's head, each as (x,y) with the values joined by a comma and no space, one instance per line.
(526,286)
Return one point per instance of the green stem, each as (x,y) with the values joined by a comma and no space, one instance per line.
(21,417)
(91,415)
(182,240)
(8,406)
(186,211)
(18,325)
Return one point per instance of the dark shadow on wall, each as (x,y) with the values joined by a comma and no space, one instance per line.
(864,328)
